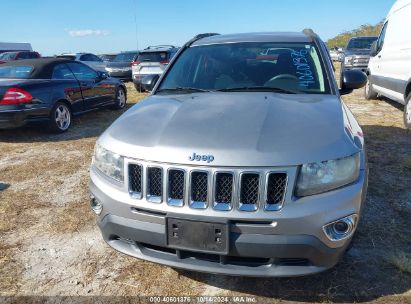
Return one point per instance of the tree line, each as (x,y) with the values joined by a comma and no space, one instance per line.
(341,40)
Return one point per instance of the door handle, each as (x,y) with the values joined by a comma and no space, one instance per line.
(379,56)
(84,84)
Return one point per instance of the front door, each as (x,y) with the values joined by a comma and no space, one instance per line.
(88,79)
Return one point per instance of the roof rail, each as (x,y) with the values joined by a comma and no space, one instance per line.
(163,46)
(198,37)
(310,33)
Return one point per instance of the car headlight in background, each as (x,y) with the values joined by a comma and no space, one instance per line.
(109,163)
(348,60)
(324,176)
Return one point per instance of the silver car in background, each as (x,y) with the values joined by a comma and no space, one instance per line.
(238,163)
(89,59)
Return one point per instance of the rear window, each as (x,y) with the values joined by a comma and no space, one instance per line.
(20,72)
(152,57)
(125,57)
(28,55)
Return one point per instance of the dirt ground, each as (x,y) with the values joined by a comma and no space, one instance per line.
(50,245)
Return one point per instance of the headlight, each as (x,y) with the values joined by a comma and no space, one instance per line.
(348,60)
(109,163)
(324,176)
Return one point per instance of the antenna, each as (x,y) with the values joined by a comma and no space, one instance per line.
(135,21)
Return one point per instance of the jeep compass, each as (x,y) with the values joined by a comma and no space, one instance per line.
(243,160)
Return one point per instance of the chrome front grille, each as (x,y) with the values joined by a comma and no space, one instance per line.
(222,189)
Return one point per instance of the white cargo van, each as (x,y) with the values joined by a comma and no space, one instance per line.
(389,69)
(14,46)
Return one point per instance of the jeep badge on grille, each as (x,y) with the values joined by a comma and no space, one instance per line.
(198,157)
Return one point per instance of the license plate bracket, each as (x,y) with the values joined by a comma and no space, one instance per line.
(197,236)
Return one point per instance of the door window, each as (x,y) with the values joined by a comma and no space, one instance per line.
(62,71)
(82,71)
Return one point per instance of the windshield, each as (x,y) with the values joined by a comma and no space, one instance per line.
(361,43)
(19,72)
(293,67)
(125,57)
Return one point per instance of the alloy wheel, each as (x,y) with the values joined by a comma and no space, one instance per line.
(121,98)
(62,117)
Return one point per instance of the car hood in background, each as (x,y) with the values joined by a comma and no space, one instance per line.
(238,129)
(357,52)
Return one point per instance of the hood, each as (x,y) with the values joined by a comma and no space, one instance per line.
(237,129)
(119,64)
(357,52)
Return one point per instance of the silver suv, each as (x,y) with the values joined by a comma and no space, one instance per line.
(151,61)
(237,163)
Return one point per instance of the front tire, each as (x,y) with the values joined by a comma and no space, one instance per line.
(60,118)
(121,99)
(369,93)
(407,112)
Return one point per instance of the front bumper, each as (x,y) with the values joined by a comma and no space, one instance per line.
(250,254)
(137,78)
(289,242)
(15,116)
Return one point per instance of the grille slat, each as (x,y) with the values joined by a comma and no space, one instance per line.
(223,191)
(276,186)
(154,184)
(199,190)
(236,189)
(249,191)
(135,176)
(176,181)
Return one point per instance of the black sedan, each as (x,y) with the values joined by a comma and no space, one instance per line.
(52,90)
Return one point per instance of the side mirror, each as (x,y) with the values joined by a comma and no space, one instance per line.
(101,75)
(351,80)
(149,81)
(373,50)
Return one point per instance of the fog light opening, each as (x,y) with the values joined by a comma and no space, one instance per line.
(96,205)
(341,229)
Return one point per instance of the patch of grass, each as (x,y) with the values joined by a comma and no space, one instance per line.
(71,218)
(11,270)
(400,260)
(132,95)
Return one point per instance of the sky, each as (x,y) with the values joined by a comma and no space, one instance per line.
(96,26)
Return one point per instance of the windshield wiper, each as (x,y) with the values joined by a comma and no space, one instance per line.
(259,89)
(182,90)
